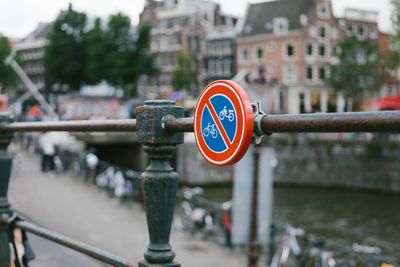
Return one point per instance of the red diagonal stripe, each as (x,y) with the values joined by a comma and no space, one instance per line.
(219,124)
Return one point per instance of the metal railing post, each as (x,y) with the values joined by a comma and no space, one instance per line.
(5,210)
(159,181)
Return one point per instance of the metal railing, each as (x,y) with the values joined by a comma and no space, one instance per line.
(160,126)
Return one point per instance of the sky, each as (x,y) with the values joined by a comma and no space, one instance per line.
(20,17)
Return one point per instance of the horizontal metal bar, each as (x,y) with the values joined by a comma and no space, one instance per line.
(73,244)
(179,125)
(380,121)
(74,126)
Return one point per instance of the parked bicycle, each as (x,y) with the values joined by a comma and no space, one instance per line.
(297,248)
(289,246)
(202,217)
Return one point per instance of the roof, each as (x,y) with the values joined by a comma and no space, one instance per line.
(41,32)
(258,15)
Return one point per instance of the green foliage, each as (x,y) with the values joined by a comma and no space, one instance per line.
(390,60)
(7,74)
(357,71)
(65,55)
(95,68)
(111,51)
(396,21)
(128,54)
(185,73)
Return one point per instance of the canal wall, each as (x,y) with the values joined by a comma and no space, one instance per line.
(368,165)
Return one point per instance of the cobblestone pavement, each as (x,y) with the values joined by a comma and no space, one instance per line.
(68,205)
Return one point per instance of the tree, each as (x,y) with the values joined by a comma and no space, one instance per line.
(128,52)
(65,54)
(114,52)
(140,60)
(390,60)
(185,74)
(95,51)
(396,21)
(7,75)
(357,71)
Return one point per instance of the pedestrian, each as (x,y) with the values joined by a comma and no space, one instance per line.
(47,152)
(91,162)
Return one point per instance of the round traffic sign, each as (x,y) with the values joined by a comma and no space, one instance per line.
(223,122)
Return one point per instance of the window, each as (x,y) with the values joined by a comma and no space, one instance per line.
(281,25)
(211,67)
(361,31)
(268,26)
(245,56)
(219,67)
(247,29)
(290,74)
(227,67)
(372,32)
(209,48)
(322,32)
(309,73)
(309,48)
(335,51)
(349,29)
(323,10)
(259,54)
(322,51)
(323,73)
(218,48)
(227,47)
(289,50)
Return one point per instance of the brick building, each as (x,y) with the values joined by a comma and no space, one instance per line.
(291,42)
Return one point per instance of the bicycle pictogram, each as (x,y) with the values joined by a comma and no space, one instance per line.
(210,129)
(226,114)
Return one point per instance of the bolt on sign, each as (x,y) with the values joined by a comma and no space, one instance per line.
(223,122)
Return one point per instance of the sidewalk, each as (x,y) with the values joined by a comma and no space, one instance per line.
(49,254)
(68,205)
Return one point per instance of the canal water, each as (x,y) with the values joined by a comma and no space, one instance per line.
(342,216)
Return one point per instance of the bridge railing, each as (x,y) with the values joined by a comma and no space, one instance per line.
(160,126)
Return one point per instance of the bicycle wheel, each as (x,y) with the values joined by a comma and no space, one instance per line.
(281,256)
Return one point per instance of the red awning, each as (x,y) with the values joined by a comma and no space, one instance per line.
(385,103)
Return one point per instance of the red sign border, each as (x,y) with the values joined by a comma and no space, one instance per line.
(245,122)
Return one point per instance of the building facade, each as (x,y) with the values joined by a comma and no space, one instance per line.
(31,51)
(293,47)
(221,49)
(179,25)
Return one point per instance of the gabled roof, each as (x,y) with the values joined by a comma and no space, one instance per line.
(260,14)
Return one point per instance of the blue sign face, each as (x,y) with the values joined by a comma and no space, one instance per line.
(219,123)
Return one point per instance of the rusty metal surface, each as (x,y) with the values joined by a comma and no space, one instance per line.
(73,244)
(151,118)
(74,126)
(180,125)
(380,121)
